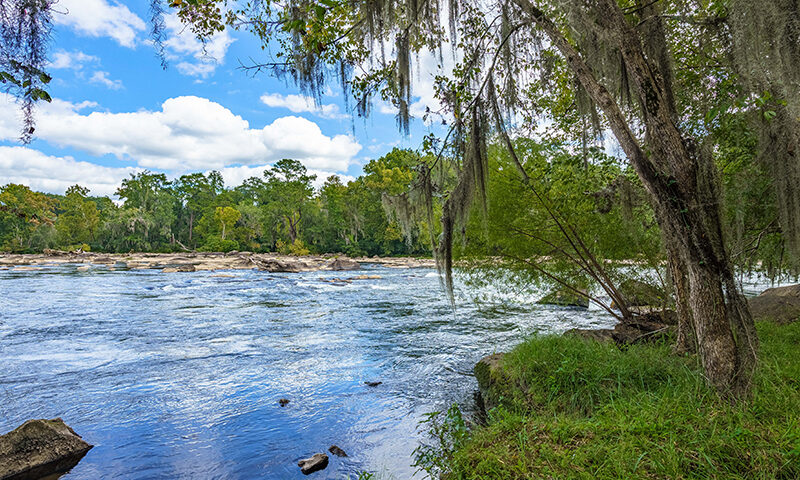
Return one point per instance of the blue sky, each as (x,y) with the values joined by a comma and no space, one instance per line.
(115,111)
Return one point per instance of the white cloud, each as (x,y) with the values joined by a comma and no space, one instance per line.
(187,134)
(194,58)
(99,18)
(74,60)
(55,174)
(300,104)
(235,176)
(102,79)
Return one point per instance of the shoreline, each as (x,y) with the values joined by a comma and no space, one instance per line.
(205,261)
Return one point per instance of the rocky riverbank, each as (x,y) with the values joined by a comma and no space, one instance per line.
(203,261)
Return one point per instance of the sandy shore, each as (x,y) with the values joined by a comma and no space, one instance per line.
(204,261)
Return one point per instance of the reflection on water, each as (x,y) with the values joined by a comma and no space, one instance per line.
(179,375)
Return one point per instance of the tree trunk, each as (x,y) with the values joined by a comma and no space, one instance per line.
(679,179)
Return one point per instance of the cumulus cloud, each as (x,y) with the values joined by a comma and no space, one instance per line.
(234,176)
(55,174)
(301,104)
(192,57)
(187,134)
(73,60)
(103,79)
(99,18)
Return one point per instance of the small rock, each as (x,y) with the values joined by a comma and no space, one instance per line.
(168,270)
(283,402)
(39,448)
(314,464)
(83,268)
(337,451)
(372,384)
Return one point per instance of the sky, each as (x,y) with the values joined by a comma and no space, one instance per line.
(115,111)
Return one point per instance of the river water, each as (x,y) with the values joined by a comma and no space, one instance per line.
(179,375)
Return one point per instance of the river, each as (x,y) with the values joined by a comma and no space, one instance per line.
(179,375)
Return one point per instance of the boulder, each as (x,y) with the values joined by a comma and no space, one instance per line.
(83,268)
(337,451)
(39,448)
(179,268)
(780,305)
(274,265)
(344,263)
(565,298)
(644,328)
(641,294)
(314,464)
(491,380)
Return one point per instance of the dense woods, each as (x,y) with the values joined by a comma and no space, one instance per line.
(280,211)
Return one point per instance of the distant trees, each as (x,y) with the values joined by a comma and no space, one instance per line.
(278,211)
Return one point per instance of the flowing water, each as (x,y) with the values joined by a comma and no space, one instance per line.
(179,375)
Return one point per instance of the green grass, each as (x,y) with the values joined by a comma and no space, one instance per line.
(588,410)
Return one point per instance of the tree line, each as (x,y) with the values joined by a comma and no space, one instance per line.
(279,211)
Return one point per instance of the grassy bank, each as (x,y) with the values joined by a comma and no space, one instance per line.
(577,409)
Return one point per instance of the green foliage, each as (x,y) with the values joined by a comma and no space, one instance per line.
(582,409)
(279,211)
(448,433)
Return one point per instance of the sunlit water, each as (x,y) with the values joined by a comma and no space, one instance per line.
(179,375)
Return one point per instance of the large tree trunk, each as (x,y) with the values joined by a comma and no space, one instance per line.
(679,179)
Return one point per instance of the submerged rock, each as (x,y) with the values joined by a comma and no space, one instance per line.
(314,464)
(337,451)
(39,448)
(780,305)
(372,384)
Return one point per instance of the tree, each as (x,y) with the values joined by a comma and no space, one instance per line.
(79,219)
(289,190)
(227,218)
(613,51)
(26,218)
(197,192)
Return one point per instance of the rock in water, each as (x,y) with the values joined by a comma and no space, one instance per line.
(274,265)
(344,263)
(565,298)
(337,451)
(372,384)
(314,464)
(283,402)
(39,448)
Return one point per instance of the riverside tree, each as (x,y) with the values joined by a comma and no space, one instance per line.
(613,59)
(607,64)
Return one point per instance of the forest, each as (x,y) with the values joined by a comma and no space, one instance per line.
(280,211)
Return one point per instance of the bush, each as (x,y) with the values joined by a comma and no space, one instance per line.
(216,244)
(298,248)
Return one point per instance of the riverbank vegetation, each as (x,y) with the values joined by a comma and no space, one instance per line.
(572,408)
